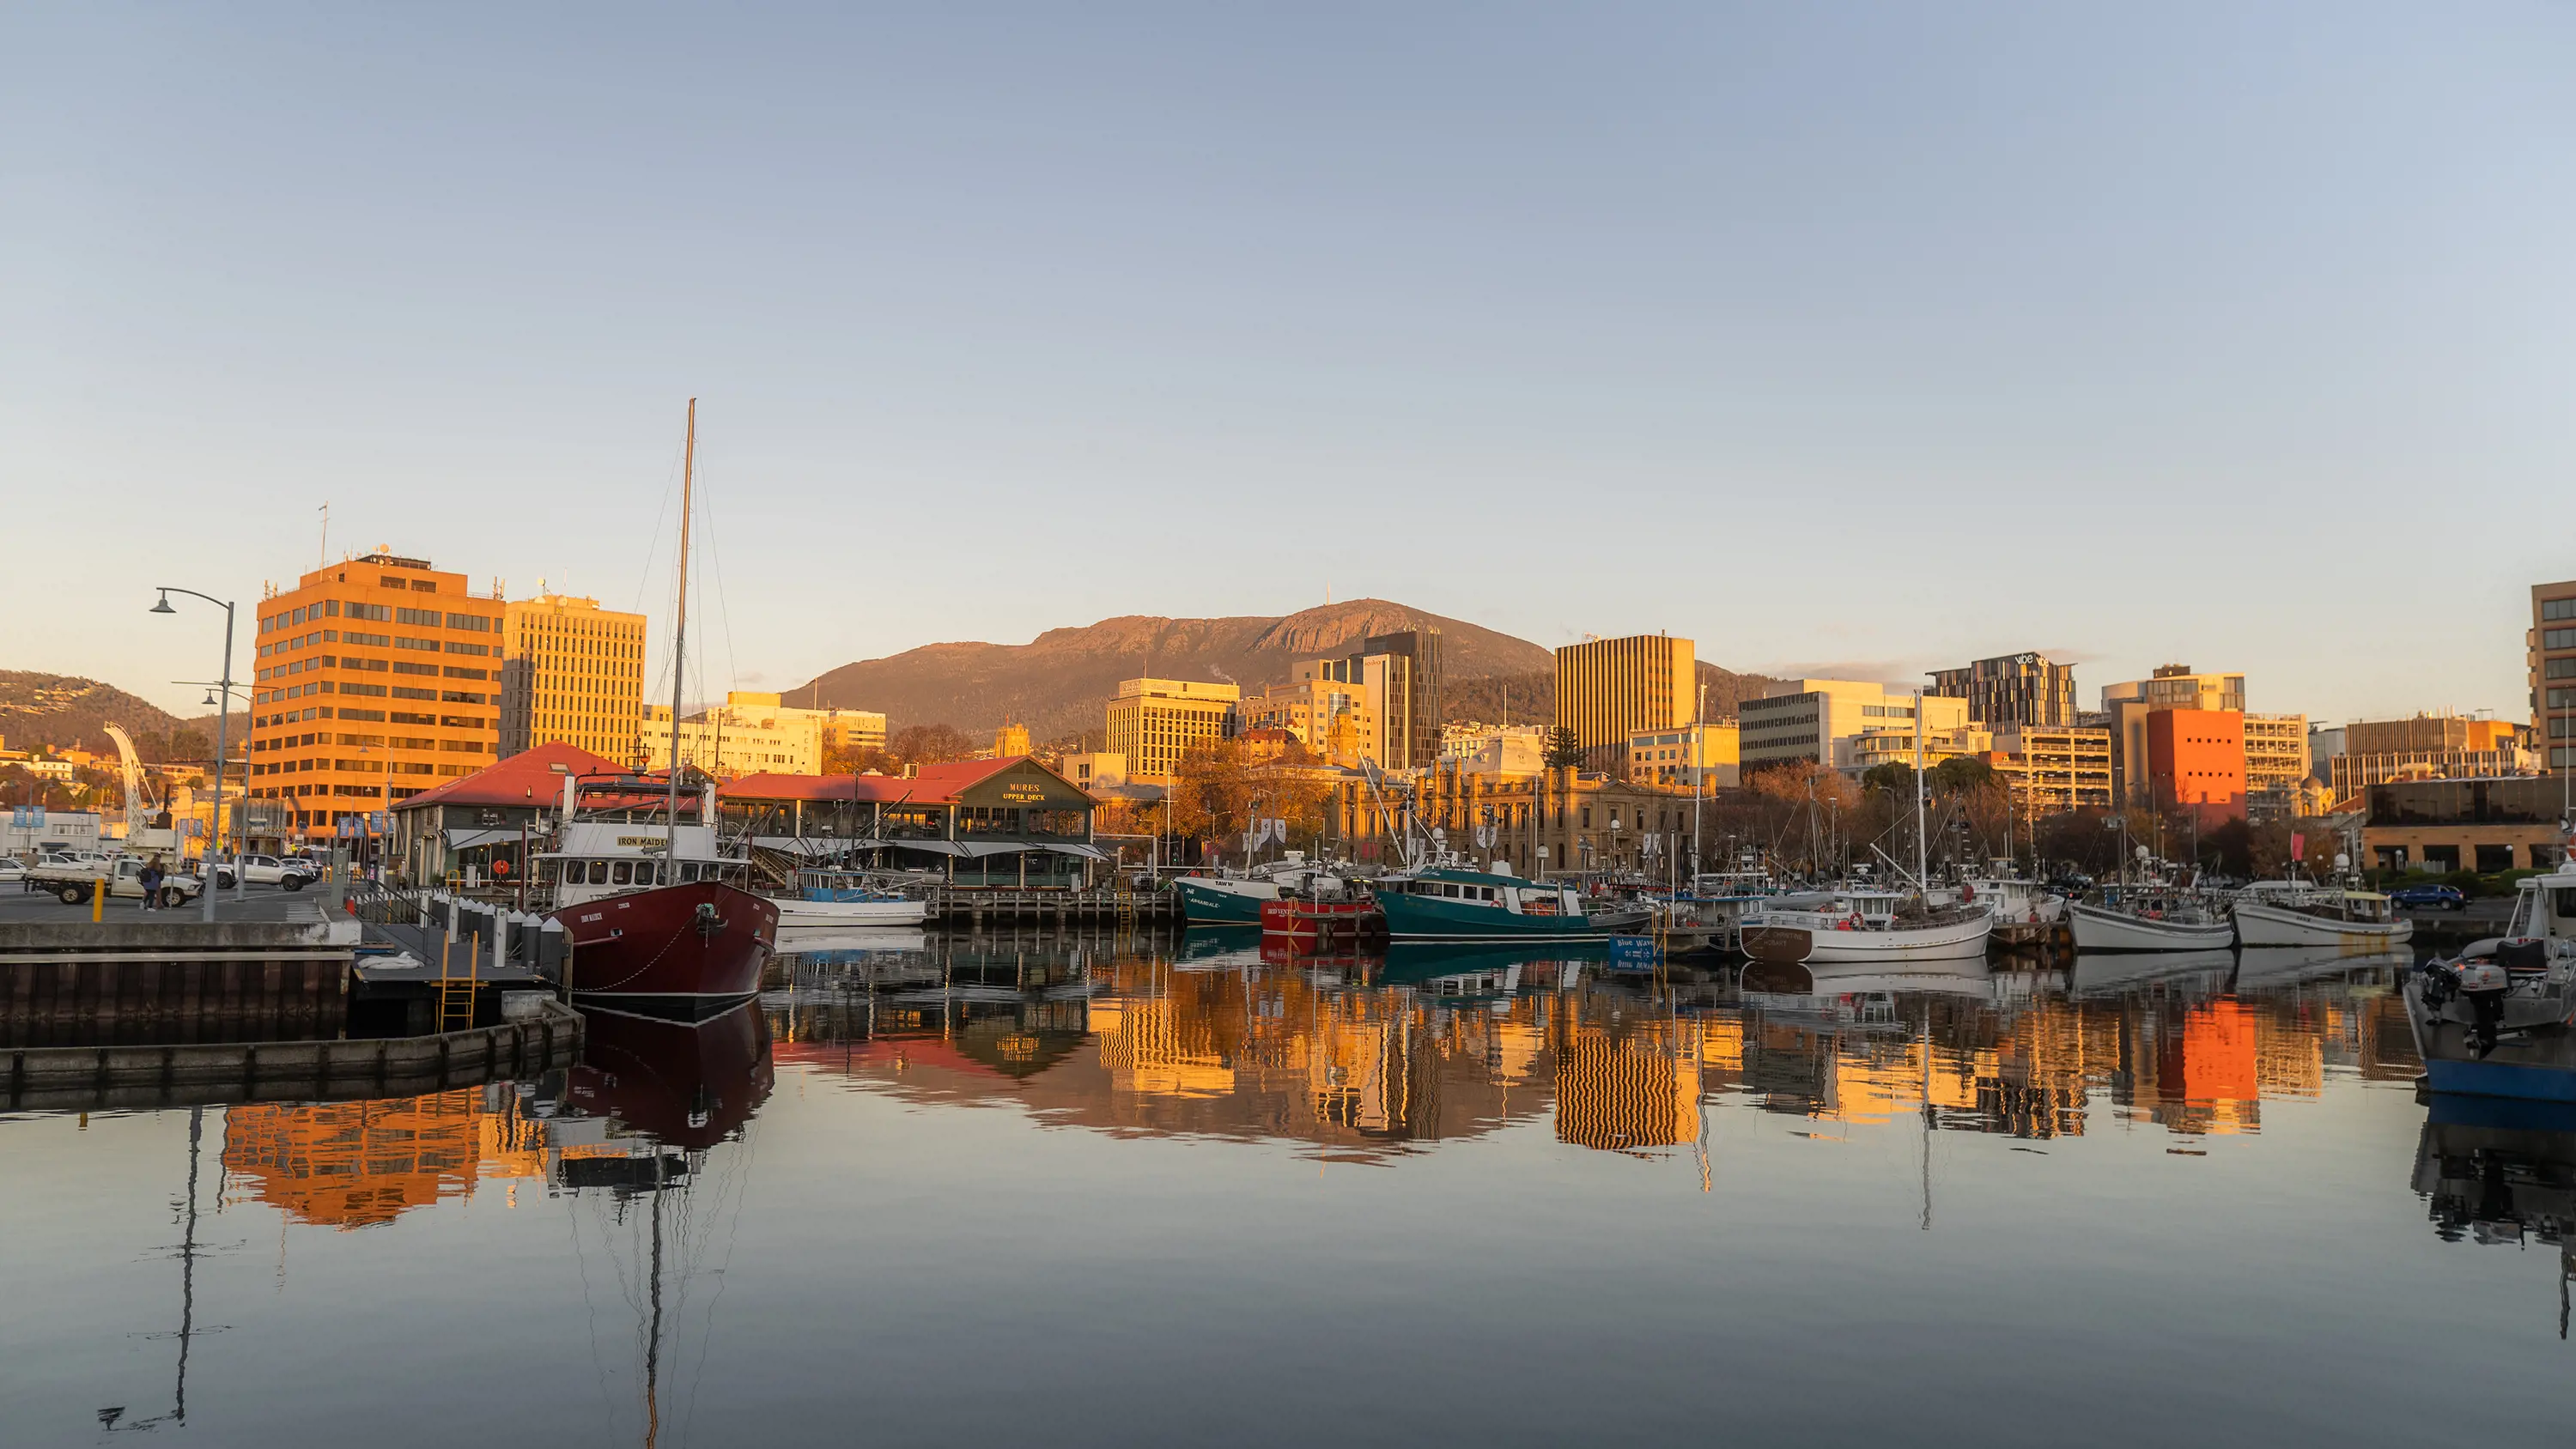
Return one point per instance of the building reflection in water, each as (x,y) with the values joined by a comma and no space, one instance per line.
(643,1089)
(1375,1057)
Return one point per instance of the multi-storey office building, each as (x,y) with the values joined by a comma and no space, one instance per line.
(1802,719)
(2551,650)
(1608,690)
(1691,756)
(571,673)
(2055,768)
(749,734)
(1153,722)
(1335,720)
(2012,689)
(376,678)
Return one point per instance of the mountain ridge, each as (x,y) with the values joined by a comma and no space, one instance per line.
(1059,683)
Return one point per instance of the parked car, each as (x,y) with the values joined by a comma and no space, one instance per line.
(287,873)
(2429,898)
(12,870)
(73,884)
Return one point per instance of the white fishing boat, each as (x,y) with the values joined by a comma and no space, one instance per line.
(1855,927)
(846,900)
(1882,926)
(2012,899)
(2301,913)
(2150,921)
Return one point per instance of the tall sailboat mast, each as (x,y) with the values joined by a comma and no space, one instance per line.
(679,645)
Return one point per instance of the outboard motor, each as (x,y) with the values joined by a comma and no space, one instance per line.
(2480,983)
(2482,986)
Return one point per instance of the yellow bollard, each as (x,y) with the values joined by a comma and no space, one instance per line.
(98,900)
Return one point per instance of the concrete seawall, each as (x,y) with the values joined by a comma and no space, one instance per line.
(213,1072)
(178,940)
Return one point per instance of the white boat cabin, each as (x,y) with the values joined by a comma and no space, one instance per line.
(595,859)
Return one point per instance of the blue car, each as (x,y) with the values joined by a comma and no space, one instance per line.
(2429,898)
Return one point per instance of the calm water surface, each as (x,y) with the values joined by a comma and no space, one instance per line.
(954,1192)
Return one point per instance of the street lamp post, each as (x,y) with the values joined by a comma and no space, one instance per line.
(223,723)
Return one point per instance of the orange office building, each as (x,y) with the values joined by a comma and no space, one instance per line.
(377,678)
(2196,763)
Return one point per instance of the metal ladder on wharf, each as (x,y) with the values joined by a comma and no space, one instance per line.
(456,993)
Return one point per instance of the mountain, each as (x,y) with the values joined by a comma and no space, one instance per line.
(1059,683)
(64,709)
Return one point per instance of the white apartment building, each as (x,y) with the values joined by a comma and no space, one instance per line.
(1802,719)
(749,734)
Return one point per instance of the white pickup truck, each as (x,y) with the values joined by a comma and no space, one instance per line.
(73,882)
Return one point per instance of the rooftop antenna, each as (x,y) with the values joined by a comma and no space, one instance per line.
(324,558)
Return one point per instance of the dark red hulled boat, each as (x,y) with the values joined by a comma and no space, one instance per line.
(688,950)
(689,1084)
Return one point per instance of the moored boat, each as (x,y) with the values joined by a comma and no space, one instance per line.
(1234,898)
(1867,926)
(655,921)
(846,899)
(2499,1019)
(1446,903)
(2149,921)
(2297,913)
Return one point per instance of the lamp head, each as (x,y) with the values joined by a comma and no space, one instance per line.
(163,607)
(210,695)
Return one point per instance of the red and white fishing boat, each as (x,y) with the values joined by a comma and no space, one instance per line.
(1318,924)
(657,922)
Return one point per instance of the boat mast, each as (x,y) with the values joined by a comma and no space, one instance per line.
(1920,878)
(679,646)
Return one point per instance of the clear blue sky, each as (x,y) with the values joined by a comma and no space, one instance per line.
(1839,338)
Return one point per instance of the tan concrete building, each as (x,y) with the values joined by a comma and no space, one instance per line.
(2430,747)
(2551,650)
(571,672)
(2055,768)
(2276,764)
(1610,689)
(376,679)
(1153,722)
(1691,757)
(1582,821)
(1334,719)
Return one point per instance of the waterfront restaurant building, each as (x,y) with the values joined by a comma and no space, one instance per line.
(1006,823)
(460,829)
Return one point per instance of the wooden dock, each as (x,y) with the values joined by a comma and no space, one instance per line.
(975,908)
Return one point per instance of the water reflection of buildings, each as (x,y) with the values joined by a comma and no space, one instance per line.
(360,1164)
(642,1086)
(1352,1058)
(1343,1061)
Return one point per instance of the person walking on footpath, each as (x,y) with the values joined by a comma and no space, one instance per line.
(150,878)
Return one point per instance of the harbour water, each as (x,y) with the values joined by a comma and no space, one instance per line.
(1073,1190)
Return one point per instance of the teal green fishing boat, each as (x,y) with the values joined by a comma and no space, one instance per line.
(1449,904)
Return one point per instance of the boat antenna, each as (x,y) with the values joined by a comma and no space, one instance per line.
(679,644)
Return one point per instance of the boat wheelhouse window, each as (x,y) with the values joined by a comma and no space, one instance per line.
(622,873)
(1485,892)
(2562,903)
(599,872)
